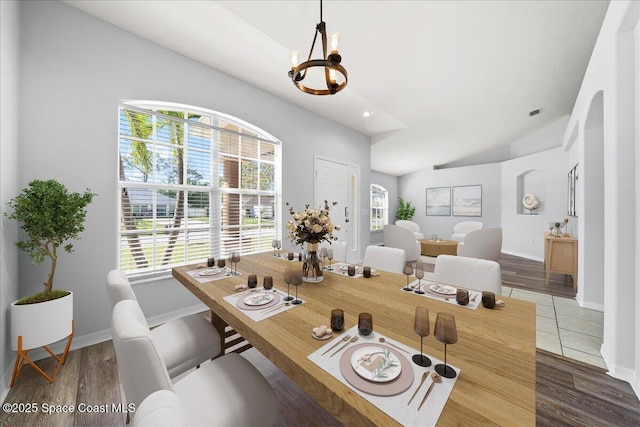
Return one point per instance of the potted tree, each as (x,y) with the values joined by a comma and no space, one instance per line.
(50,216)
(405,210)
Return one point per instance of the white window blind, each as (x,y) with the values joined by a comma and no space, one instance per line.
(379,207)
(193,184)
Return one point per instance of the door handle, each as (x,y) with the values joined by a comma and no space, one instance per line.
(346,214)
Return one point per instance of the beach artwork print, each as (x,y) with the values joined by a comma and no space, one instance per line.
(467,200)
(439,201)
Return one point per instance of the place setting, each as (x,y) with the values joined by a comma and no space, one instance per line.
(459,296)
(349,270)
(210,271)
(396,378)
(260,303)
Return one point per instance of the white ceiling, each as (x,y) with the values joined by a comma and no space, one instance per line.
(445,80)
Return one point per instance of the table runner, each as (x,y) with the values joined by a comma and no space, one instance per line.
(395,406)
(476,296)
(258,315)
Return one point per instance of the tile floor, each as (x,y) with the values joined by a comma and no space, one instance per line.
(563,327)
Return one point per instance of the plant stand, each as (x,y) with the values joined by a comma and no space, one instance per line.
(23,356)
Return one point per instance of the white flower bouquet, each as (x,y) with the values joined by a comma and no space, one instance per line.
(311,225)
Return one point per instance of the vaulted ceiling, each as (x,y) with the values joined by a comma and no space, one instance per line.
(445,80)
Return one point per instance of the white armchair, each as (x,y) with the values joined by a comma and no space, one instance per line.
(410,225)
(472,273)
(464,227)
(401,238)
(485,243)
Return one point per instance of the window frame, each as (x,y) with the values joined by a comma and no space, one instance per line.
(384,209)
(211,232)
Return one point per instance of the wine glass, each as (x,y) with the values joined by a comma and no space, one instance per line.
(445,331)
(287,279)
(408,270)
(274,245)
(279,246)
(297,281)
(419,274)
(330,256)
(323,254)
(235,256)
(421,328)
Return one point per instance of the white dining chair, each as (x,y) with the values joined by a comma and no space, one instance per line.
(339,249)
(472,273)
(183,343)
(161,408)
(228,391)
(383,258)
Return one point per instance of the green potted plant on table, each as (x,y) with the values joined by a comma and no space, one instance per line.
(405,210)
(50,215)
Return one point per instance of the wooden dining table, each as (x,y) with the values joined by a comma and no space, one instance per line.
(496,348)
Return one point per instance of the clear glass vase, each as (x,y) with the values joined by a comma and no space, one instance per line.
(312,265)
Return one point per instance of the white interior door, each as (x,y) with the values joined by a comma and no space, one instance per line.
(334,182)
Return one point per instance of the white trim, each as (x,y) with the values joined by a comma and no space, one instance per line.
(523,255)
(590,305)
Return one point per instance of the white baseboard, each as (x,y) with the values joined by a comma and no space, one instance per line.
(620,373)
(4,384)
(522,255)
(590,305)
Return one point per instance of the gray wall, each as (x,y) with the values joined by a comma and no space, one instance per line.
(412,187)
(74,70)
(389,182)
(9,80)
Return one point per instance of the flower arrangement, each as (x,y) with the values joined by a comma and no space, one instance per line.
(311,225)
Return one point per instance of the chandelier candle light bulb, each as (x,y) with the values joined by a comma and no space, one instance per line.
(330,63)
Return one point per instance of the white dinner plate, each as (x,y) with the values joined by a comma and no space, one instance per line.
(376,363)
(260,298)
(209,271)
(443,289)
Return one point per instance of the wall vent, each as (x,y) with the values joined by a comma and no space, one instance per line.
(534,112)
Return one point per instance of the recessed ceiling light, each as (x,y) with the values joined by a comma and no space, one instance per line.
(367,114)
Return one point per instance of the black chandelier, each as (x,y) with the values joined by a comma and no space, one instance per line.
(330,63)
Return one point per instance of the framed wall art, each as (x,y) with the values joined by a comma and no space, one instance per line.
(438,201)
(467,200)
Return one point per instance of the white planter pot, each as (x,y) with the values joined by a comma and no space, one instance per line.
(41,324)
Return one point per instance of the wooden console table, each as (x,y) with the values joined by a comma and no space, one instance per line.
(561,256)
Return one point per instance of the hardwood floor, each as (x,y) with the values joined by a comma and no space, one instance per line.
(568,393)
(527,274)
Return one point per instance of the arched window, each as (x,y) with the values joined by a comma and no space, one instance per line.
(193,184)
(379,207)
